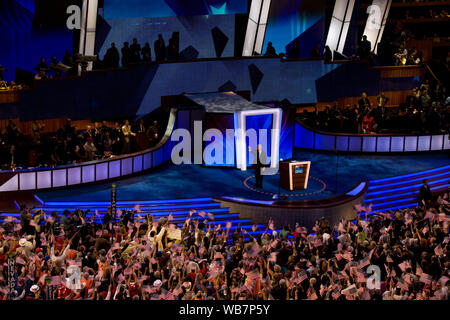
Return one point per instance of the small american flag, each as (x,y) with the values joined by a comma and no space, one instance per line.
(364,262)
(302,276)
(425,278)
(402,284)
(438,250)
(336,294)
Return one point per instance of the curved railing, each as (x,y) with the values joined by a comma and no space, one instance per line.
(312,139)
(305,212)
(355,193)
(92,171)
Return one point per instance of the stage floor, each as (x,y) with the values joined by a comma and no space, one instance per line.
(192,181)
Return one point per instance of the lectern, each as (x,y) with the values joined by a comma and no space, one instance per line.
(294,175)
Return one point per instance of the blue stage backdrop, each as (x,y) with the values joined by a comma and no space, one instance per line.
(256,123)
(200,36)
(206,27)
(287,134)
(30,29)
(222,122)
(120,9)
(301,20)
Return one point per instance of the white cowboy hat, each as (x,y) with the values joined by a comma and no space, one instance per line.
(34,288)
(22,242)
(157,283)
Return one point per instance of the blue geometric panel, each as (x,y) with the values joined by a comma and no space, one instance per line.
(190,53)
(120,9)
(220,41)
(227,86)
(256,76)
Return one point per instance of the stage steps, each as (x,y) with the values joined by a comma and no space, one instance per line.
(179,208)
(402,191)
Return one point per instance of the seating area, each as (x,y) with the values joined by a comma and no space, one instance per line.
(224,158)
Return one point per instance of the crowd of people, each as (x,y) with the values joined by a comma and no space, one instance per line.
(135,53)
(424,111)
(68,145)
(131,257)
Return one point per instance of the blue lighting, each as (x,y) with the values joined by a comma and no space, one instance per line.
(124,203)
(411,174)
(408,181)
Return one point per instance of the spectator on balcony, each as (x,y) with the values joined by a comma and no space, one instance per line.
(126,54)
(160,49)
(112,57)
(135,51)
(364,48)
(42,66)
(368,124)
(141,135)
(315,53)
(294,53)
(270,51)
(382,101)
(327,54)
(173,49)
(90,149)
(146,53)
(68,59)
(364,103)
(127,137)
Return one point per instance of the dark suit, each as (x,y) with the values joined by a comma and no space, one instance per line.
(259,162)
(424,195)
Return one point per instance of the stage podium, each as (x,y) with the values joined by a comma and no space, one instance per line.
(294,175)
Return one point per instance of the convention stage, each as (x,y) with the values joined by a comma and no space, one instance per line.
(195,181)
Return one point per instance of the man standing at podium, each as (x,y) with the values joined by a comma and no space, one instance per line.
(259,162)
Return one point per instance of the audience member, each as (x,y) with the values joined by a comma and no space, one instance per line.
(112,57)
(270,51)
(146,53)
(364,48)
(294,53)
(135,51)
(126,54)
(160,49)
(132,257)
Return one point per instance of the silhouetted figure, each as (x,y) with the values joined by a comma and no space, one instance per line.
(41,66)
(135,51)
(270,51)
(112,57)
(173,49)
(294,53)
(53,65)
(327,54)
(259,163)
(160,49)
(364,48)
(68,59)
(424,194)
(126,54)
(315,53)
(146,53)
